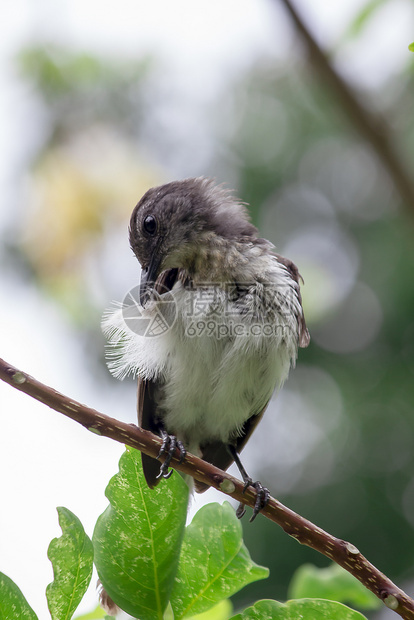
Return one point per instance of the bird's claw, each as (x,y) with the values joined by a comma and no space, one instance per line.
(170,444)
(262,498)
(241,509)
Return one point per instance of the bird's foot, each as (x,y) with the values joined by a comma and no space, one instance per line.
(170,444)
(262,498)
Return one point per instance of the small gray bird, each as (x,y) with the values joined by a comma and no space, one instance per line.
(225,322)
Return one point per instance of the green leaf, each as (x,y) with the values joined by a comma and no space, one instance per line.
(411,47)
(72,559)
(137,539)
(333,583)
(12,602)
(305,609)
(214,562)
(221,611)
(363,16)
(97,614)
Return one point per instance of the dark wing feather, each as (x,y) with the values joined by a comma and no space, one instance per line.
(147,419)
(217,454)
(304,337)
(147,390)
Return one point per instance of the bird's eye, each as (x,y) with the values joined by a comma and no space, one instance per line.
(150,225)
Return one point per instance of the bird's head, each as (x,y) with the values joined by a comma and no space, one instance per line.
(178,225)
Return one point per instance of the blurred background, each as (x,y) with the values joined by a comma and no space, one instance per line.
(101,101)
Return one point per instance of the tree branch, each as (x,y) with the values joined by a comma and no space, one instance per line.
(374,129)
(340,551)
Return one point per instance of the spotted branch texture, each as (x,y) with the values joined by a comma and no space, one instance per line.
(343,553)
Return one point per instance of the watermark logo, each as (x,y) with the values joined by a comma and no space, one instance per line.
(237,329)
(149,324)
(225,310)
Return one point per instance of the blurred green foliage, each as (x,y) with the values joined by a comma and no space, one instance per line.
(364,16)
(332,583)
(80,89)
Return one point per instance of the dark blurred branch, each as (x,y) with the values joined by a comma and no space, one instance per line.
(343,553)
(375,130)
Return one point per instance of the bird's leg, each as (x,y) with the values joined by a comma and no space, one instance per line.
(169,445)
(262,493)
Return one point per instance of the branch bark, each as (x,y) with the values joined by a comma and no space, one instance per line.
(374,129)
(343,553)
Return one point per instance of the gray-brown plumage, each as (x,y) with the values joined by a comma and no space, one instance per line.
(208,387)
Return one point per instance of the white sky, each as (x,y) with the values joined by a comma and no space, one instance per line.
(45,460)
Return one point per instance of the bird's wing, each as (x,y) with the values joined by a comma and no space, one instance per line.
(217,453)
(304,337)
(147,420)
(147,389)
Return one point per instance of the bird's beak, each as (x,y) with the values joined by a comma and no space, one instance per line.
(148,278)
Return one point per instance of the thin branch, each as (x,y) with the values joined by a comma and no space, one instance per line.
(374,129)
(340,551)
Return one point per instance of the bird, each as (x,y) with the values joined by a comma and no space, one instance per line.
(223,318)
